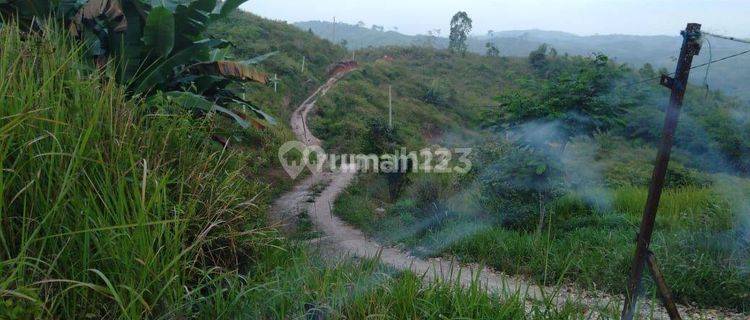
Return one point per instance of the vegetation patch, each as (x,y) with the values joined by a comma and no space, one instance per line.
(562,161)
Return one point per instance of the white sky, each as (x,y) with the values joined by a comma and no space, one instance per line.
(584,17)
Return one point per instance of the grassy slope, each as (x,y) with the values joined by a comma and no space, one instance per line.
(468,84)
(702,255)
(114,209)
(252,36)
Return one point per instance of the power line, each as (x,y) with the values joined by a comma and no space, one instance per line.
(727,37)
(722,59)
(694,67)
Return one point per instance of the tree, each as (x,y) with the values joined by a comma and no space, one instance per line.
(517,182)
(361,24)
(492,50)
(461,26)
(647,71)
(383,139)
(578,98)
(440,94)
(432,36)
(538,58)
(377,28)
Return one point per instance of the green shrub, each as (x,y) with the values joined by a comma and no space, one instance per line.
(517,182)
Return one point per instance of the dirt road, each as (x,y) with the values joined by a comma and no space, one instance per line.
(341,239)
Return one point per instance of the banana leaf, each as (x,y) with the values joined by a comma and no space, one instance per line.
(164,70)
(191,21)
(195,102)
(28,9)
(225,9)
(200,84)
(68,8)
(159,31)
(230,69)
(108,11)
(249,108)
(128,47)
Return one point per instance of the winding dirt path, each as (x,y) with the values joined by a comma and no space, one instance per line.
(341,239)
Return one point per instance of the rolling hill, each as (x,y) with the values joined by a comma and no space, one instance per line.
(660,51)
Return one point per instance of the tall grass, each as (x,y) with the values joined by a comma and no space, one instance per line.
(109,208)
(301,284)
(698,250)
(592,246)
(688,207)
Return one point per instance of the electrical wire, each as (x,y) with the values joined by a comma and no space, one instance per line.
(722,59)
(726,37)
(708,67)
(694,67)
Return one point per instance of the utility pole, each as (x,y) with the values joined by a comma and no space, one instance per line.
(334,30)
(390,107)
(303,63)
(690,48)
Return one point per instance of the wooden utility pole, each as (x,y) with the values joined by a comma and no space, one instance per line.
(690,48)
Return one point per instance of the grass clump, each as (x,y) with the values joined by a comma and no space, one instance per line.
(300,284)
(111,208)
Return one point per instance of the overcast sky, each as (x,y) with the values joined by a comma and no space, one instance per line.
(584,17)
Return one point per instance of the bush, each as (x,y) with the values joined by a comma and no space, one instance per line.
(440,94)
(517,182)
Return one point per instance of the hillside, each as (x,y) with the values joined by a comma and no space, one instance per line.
(595,188)
(660,51)
(119,207)
(252,36)
(149,189)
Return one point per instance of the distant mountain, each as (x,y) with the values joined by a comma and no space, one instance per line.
(732,76)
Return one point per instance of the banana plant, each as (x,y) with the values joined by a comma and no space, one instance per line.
(157,46)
